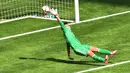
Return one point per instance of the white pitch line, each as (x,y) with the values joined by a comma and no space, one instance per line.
(36,31)
(103,17)
(27,33)
(111,65)
(15,19)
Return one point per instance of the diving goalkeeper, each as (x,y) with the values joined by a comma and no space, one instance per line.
(78,48)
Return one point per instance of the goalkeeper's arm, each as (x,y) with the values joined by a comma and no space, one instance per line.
(58,18)
(68,51)
(55,13)
(46,9)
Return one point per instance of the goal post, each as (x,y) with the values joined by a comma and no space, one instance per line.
(17,9)
(77,18)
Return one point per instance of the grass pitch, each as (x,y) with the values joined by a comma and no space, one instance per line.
(45,52)
(95,8)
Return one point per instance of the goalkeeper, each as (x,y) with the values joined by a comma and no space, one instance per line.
(80,49)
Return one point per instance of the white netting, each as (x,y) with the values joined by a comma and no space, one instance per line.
(10,9)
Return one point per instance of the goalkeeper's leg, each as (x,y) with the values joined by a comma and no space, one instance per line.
(95,57)
(103,51)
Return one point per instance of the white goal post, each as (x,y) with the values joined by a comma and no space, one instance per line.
(77,18)
(11,10)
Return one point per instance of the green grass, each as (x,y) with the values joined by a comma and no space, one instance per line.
(46,51)
(25,25)
(95,8)
(120,68)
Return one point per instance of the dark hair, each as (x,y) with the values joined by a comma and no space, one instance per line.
(65,23)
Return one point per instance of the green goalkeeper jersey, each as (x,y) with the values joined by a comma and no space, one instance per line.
(77,46)
(70,37)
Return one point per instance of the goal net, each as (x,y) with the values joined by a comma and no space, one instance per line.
(13,9)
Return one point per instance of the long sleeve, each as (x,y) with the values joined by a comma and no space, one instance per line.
(62,25)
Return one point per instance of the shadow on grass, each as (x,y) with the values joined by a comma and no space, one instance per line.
(92,63)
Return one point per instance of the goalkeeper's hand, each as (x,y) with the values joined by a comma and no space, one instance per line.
(54,12)
(70,58)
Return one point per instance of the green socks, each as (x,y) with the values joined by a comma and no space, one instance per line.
(104,51)
(98,58)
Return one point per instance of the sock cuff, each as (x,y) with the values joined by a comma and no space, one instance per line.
(93,55)
(98,50)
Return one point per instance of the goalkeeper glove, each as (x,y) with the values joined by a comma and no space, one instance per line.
(54,12)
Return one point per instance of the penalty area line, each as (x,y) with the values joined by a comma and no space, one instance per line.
(27,33)
(102,67)
(41,30)
(103,17)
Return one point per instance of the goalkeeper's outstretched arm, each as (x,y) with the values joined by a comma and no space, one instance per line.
(47,9)
(58,18)
(68,51)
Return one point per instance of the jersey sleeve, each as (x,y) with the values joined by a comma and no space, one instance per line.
(62,25)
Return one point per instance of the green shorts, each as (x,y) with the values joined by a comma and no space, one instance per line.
(82,50)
